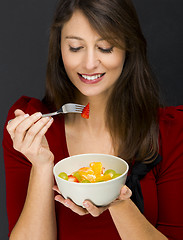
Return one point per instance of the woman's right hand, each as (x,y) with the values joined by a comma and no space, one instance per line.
(28,136)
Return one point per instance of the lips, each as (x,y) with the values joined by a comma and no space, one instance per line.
(91,78)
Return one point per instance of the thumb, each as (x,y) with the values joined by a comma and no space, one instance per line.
(18,112)
(126,193)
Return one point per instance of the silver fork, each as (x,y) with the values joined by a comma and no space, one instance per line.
(66,108)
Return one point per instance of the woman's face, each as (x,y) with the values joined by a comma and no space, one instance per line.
(91,63)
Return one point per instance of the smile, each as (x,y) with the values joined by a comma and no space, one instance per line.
(91,78)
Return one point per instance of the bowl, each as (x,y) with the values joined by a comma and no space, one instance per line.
(99,193)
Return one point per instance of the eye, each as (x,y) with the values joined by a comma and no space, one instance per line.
(106,50)
(73,49)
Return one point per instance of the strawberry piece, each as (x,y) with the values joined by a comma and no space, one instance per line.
(72,178)
(85,112)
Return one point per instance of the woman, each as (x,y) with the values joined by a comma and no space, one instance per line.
(97,54)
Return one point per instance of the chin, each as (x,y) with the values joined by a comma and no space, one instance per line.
(91,93)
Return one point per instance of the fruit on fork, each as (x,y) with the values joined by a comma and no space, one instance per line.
(86,111)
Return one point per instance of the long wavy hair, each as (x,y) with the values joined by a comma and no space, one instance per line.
(132,109)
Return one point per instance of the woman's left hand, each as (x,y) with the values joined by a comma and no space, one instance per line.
(90,208)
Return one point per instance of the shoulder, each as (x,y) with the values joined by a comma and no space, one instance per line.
(171,138)
(171,114)
(171,121)
(29,105)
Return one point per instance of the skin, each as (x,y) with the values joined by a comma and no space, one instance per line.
(90,57)
(37,220)
(91,135)
(89,207)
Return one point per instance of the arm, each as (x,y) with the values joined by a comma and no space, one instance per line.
(37,219)
(169,181)
(131,224)
(129,221)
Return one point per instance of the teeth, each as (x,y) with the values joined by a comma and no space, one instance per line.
(91,77)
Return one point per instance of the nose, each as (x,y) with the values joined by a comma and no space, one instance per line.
(91,60)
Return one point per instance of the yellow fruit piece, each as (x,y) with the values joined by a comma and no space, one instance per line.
(87,173)
(89,177)
(101,178)
(84,169)
(97,168)
(94,173)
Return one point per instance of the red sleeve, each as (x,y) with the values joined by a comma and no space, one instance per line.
(170,174)
(17,167)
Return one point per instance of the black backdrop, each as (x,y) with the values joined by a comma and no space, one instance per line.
(24,31)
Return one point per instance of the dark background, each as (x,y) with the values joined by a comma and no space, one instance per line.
(24,33)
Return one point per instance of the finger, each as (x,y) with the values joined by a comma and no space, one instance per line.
(13,123)
(18,112)
(21,129)
(35,133)
(41,133)
(92,209)
(69,204)
(59,198)
(125,193)
(75,208)
(55,188)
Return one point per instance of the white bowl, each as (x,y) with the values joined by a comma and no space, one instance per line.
(100,193)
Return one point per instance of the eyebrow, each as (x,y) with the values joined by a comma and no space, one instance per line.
(81,39)
(74,37)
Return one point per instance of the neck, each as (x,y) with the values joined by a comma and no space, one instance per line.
(96,122)
(89,135)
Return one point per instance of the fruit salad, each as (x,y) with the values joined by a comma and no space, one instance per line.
(92,174)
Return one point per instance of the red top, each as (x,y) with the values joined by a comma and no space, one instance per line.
(162,187)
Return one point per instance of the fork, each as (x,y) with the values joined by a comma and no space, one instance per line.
(67,108)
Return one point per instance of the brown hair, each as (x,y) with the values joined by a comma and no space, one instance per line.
(132,109)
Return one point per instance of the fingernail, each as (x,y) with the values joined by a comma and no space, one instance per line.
(51,120)
(85,204)
(39,114)
(56,199)
(48,118)
(66,204)
(26,115)
(124,190)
